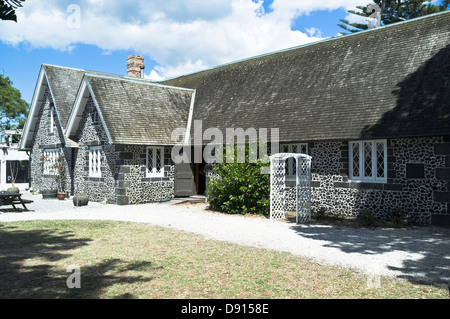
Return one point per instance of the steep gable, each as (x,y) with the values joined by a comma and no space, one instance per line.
(134,111)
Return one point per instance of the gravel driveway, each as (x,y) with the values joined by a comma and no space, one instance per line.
(420,255)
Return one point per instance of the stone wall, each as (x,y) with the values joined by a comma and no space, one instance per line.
(99,189)
(44,138)
(417,188)
(123,179)
(133,187)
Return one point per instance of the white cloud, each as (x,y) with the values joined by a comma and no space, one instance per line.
(181,36)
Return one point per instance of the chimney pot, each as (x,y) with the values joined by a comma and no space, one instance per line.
(135,65)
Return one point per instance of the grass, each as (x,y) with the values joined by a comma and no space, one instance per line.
(132,260)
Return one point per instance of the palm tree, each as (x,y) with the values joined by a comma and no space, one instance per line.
(8,9)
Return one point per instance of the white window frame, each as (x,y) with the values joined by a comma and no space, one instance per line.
(292,148)
(153,172)
(52,117)
(50,156)
(95,161)
(361,174)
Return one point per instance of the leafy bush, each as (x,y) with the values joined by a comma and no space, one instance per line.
(240,188)
(396,217)
(366,219)
(319,213)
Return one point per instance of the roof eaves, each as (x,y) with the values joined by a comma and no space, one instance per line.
(32,115)
(98,109)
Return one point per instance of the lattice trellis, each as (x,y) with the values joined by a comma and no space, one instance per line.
(302,186)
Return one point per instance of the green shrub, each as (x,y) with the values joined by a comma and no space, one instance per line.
(240,188)
(366,219)
(396,217)
(319,213)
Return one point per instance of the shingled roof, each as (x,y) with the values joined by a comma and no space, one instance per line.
(140,112)
(387,82)
(64,84)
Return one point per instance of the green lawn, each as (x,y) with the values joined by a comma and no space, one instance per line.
(132,260)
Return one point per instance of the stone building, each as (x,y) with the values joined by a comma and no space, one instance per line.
(371,108)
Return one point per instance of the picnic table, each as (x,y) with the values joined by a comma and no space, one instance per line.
(13,199)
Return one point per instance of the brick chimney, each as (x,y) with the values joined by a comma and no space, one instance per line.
(135,65)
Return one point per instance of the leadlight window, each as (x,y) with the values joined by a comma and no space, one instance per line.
(49,160)
(155,161)
(368,161)
(301,148)
(95,161)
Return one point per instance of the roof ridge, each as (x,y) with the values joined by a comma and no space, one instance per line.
(136,80)
(335,38)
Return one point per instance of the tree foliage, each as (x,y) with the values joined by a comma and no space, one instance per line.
(240,188)
(13,109)
(8,9)
(393,11)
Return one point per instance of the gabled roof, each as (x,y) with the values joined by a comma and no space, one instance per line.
(64,83)
(133,111)
(391,81)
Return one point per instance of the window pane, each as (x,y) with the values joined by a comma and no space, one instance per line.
(50,161)
(95,162)
(304,148)
(158,163)
(17,170)
(356,157)
(150,160)
(367,159)
(380,159)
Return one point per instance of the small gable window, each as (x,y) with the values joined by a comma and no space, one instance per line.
(301,148)
(52,117)
(95,116)
(49,161)
(368,161)
(95,161)
(155,161)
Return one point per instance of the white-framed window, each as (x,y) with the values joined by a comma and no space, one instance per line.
(298,148)
(155,161)
(95,161)
(52,117)
(49,160)
(368,161)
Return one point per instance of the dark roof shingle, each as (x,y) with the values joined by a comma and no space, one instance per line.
(388,82)
(138,112)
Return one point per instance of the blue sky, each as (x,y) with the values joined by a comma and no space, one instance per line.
(175,37)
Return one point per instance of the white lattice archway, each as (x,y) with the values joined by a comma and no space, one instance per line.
(302,186)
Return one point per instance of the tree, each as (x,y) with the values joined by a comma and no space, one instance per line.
(8,9)
(393,11)
(13,109)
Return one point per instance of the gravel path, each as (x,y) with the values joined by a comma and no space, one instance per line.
(417,254)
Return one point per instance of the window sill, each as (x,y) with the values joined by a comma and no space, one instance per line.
(155,179)
(367,181)
(95,179)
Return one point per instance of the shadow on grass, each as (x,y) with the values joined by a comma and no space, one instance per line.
(426,249)
(31,266)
